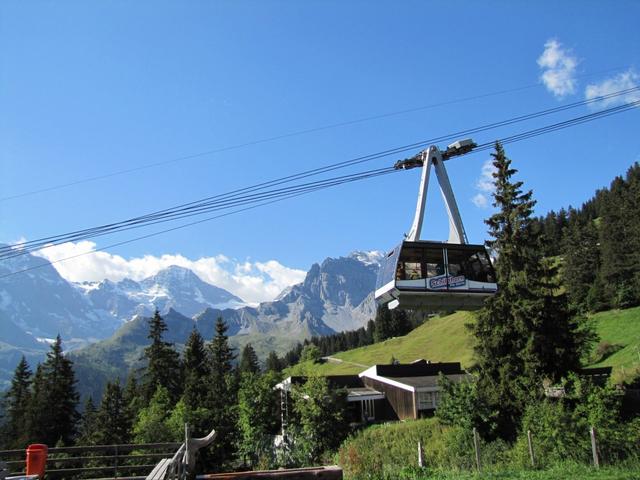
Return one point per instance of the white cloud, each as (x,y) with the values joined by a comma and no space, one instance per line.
(622,81)
(559,67)
(484,185)
(480,200)
(254,282)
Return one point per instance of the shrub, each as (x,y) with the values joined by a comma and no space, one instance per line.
(606,349)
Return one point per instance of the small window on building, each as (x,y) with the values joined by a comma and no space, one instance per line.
(368,410)
(426,400)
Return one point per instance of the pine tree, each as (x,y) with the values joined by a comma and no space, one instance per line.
(273,362)
(16,402)
(163,367)
(248,360)
(390,323)
(221,398)
(52,410)
(132,399)
(524,333)
(620,240)
(87,426)
(195,370)
(582,261)
(113,423)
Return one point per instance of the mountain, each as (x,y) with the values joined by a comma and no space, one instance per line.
(336,295)
(174,288)
(43,304)
(35,306)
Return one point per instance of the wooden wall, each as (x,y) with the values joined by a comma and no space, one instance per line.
(400,403)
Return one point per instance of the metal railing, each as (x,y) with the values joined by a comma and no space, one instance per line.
(112,461)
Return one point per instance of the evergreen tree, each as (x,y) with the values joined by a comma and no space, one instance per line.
(163,367)
(221,398)
(132,399)
(16,402)
(87,426)
(620,240)
(273,363)
(383,328)
(195,370)
(52,410)
(390,323)
(525,332)
(582,262)
(248,360)
(112,423)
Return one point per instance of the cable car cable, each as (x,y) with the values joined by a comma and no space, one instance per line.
(199,203)
(288,135)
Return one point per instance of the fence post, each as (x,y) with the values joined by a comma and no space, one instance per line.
(476,447)
(420,454)
(594,448)
(115,462)
(533,459)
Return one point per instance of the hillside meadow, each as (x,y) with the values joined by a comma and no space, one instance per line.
(446,339)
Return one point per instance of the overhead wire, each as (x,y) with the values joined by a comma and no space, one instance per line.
(12,251)
(319,185)
(288,135)
(178,227)
(220,199)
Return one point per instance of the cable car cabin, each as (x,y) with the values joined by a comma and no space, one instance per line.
(421,275)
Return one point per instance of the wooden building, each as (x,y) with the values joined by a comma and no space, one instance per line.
(411,390)
(386,392)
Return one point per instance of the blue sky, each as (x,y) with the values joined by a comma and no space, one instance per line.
(92,88)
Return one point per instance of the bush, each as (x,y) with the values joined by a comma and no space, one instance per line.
(391,450)
(606,349)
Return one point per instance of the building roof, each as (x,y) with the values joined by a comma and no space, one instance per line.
(420,375)
(353,384)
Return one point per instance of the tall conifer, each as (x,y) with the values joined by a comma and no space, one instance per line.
(16,403)
(163,367)
(52,411)
(87,425)
(222,397)
(113,423)
(248,360)
(195,371)
(524,333)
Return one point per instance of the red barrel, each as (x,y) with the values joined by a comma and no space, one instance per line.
(36,459)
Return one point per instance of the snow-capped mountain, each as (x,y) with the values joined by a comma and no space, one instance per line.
(43,304)
(175,288)
(36,305)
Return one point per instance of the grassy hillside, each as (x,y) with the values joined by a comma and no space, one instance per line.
(441,339)
(447,339)
(620,328)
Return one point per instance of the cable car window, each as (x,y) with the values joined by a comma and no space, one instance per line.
(486,267)
(434,262)
(410,265)
(473,264)
(458,261)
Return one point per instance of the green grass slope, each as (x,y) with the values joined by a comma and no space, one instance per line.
(441,339)
(622,329)
(446,339)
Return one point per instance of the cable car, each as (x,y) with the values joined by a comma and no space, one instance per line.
(430,275)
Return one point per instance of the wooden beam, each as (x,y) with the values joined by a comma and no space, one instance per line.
(324,473)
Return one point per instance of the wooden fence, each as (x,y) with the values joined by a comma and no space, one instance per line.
(95,461)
